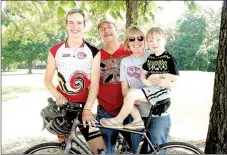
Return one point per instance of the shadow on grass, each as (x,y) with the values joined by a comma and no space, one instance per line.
(21,89)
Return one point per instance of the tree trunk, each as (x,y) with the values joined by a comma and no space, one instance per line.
(4,67)
(216,142)
(29,66)
(8,67)
(131,12)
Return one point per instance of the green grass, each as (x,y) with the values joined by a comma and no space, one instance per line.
(23,89)
(7,98)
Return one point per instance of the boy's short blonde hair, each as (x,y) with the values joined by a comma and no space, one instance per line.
(131,31)
(155,30)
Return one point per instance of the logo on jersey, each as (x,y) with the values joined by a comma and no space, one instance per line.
(78,82)
(81,55)
(134,71)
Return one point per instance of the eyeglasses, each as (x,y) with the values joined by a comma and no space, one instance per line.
(132,39)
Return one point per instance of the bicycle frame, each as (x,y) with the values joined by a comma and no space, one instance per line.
(74,138)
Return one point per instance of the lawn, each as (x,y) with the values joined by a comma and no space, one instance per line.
(25,95)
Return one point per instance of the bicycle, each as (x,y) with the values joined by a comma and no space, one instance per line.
(82,147)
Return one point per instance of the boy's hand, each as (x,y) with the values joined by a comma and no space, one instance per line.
(154,76)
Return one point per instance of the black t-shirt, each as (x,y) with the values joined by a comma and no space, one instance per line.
(165,63)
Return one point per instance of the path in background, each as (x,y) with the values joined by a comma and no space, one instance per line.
(191,103)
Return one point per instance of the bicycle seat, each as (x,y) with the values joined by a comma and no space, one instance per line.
(161,107)
(165,101)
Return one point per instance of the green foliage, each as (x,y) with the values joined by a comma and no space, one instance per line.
(29,20)
(192,6)
(194,41)
(191,32)
(28,24)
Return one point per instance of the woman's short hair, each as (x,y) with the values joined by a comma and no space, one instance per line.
(131,31)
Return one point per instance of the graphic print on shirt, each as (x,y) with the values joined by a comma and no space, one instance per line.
(158,65)
(74,68)
(110,70)
(81,55)
(77,83)
(133,75)
(134,71)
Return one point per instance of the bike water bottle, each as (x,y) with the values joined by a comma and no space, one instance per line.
(101,151)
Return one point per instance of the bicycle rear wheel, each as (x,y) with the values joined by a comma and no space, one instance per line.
(178,148)
(49,148)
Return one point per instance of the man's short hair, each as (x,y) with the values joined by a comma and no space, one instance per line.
(73,11)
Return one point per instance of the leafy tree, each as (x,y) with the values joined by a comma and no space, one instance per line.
(188,37)
(10,53)
(28,24)
(216,142)
(209,47)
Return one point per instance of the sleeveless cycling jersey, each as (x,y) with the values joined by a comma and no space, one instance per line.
(74,69)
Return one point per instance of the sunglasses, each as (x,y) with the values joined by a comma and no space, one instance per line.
(132,39)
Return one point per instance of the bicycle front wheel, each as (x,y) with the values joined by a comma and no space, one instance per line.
(178,148)
(49,148)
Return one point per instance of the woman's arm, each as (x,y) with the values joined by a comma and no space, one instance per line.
(124,88)
(171,77)
(164,82)
(144,79)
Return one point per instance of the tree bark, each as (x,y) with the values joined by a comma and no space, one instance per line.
(4,67)
(131,12)
(216,142)
(29,67)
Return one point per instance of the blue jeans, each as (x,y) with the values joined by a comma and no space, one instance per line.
(158,133)
(110,135)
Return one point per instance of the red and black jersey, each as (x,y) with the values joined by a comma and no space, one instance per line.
(110,95)
(74,69)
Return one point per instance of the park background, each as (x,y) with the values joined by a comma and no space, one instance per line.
(28,33)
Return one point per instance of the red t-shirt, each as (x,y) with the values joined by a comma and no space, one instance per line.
(110,95)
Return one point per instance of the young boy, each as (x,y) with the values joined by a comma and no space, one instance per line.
(160,65)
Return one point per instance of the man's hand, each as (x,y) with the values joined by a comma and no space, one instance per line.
(61,100)
(88,117)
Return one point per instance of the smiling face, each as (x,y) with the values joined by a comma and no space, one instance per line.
(156,40)
(156,43)
(107,32)
(135,41)
(75,25)
(136,44)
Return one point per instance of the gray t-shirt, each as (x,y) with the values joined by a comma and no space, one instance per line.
(130,70)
